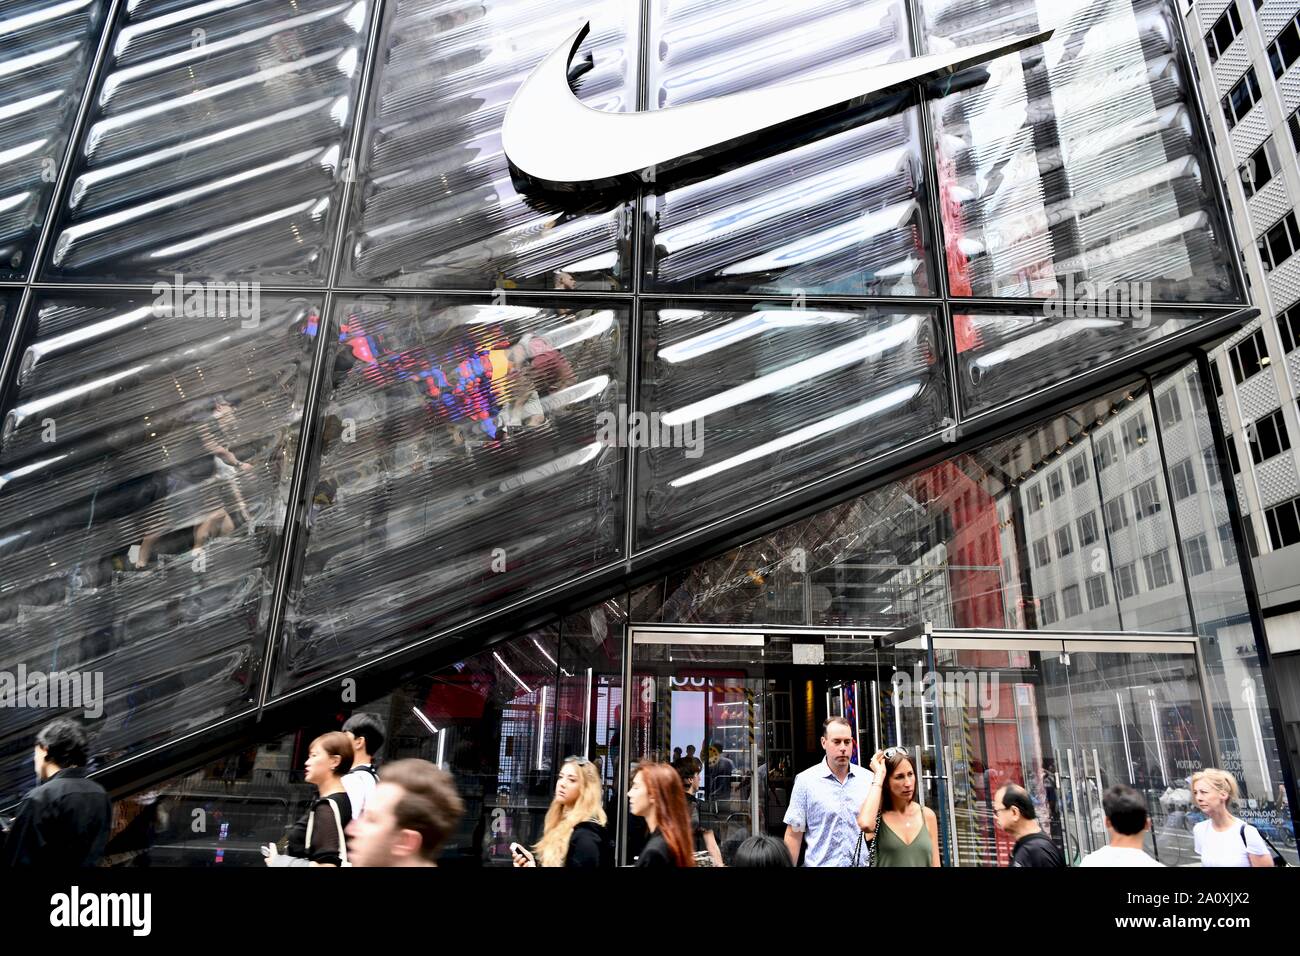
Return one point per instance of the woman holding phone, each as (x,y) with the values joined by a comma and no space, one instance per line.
(574,832)
(657,796)
(908,833)
(318,838)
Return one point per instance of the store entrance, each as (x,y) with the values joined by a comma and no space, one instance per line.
(1064,716)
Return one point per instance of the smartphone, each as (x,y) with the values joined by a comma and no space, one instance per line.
(518,850)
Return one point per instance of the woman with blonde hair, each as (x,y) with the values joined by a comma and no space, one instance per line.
(574,832)
(1222,839)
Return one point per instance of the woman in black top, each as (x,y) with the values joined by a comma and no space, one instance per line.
(574,833)
(318,839)
(656,795)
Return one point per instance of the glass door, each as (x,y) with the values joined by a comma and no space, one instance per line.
(1138,719)
(698,705)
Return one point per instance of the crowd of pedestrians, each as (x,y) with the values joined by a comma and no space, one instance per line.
(402,813)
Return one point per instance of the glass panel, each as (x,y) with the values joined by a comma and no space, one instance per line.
(1139,720)
(436,206)
(1077,160)
(215,146)
(589,702)
(1250,745)
(461,467)
(1002,356)
(1006,720)
(45,54)
(844,215)
(488,720)
(699,709)
(744,405)
(143,482)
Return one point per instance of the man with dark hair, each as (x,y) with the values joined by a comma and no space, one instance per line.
(366,732)
(64,821)
(1127,824)
(826,799)
(408,818)
(1013,812)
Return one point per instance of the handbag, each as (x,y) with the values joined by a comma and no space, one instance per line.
(871,846)
(1278,858)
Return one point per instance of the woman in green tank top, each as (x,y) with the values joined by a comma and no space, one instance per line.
(909,832)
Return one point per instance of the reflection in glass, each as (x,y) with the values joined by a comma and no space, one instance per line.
(143,475)
(1004,356)
(45,54)
(742,406)
(436,206)
(1079,160)
(216,143)
(462,466)
(843,215)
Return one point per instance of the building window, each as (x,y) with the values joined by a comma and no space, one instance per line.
(1285,50)
(1267,437)
(1126,580)
(1198,555)
(1288,328)
(1158,570)
(1227,544)
(1169,409)
(1182,479)
(1055,485)
(1078,470)
(1071,603)
(1146,499)
(1097,596)
(1233,460)
(1257,171)
(1249,356)
(1212,465)
(1223,32)
(1194,389)
(1241,98)
(1042,553)
(1064,541)
(1107,454)
(1278,244)
(1035,498)
(1283,523)
(1116,514)
(1135,432)
(1047,610)
(1217,378)
(1087,529)
(1293,124)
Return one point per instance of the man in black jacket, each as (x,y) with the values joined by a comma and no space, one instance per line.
(1013,811)
(65,820)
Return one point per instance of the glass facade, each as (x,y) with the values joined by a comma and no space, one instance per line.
(1137,683)
(378,396)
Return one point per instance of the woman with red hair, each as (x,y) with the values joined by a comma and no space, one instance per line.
(656,794)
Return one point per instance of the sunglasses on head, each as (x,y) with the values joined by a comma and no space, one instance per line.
(893,751)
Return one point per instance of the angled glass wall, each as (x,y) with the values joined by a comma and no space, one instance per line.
(46,50)
(144,478)
(216,145)
(482,378)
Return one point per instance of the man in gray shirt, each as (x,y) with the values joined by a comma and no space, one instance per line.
(825,801)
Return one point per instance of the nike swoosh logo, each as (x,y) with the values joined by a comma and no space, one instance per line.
(559,143)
